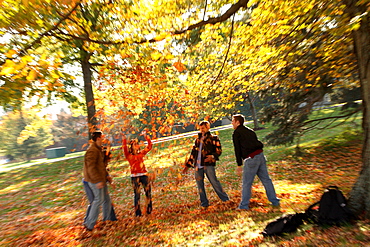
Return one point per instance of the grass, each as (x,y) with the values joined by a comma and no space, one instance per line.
(44,204)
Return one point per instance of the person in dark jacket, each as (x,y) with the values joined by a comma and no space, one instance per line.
(205,152)
(251,162)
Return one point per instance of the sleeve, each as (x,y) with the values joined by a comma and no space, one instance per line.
(190,161)
(92,167)
(148,147)
(237,149)
(124,147)
(217,147)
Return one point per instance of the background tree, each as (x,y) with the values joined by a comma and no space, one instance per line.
(358,13)
(25,135)
(69,131)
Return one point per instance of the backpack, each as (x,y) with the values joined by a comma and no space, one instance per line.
(285,224)
(332,209)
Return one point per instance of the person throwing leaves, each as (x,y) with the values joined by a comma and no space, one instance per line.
(139,176)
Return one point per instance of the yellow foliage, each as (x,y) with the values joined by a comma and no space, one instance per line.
(32,75)
(8,68)
(156,55)
(10,53)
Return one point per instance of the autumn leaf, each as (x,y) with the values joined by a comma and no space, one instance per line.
(156,55)
(179,66)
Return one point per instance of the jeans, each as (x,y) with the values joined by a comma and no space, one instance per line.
(100,198)
(143,180)
(252,167)
(211,175)
(90,197)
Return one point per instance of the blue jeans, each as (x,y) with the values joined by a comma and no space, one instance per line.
(211,175)
(252,167)
(90,197)
(100,198)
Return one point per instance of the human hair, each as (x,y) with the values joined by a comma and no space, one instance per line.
(130,147)
(205,123)
(95,135)
(239,118)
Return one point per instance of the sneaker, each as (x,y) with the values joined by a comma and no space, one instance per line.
(241,209)
(86,228)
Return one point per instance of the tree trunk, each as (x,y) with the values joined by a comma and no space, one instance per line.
(89,93)
(359,199)
(253,110)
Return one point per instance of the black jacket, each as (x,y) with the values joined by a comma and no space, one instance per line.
(211,146)
(245,142)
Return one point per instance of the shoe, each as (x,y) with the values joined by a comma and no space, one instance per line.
(241,209)
(86,228)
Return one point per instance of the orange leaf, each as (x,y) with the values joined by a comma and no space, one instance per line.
(179,66)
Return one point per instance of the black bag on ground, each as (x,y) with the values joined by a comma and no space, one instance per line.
(285,224)
(332,209)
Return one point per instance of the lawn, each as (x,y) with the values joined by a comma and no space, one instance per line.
(43,204)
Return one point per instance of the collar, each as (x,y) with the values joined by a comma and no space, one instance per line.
(97,146)
(205,135)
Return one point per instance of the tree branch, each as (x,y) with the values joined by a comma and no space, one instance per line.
(227,52)
(333,117)
(55,27)
(232,10)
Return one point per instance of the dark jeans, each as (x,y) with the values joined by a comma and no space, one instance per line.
(144,181)
(90,197)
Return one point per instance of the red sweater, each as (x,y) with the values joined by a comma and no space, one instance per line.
(136,161)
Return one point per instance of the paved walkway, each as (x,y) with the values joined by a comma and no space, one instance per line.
(10,166)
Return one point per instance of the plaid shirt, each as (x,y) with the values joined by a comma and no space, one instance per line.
(211,146)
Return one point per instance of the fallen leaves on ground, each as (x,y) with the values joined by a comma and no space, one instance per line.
(45,206)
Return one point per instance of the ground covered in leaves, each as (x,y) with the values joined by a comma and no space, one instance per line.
(44,205)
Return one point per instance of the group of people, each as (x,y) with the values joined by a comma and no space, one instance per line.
(204,154)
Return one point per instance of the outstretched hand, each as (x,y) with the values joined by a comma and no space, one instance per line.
(239,170)
(209,159)
(185,170)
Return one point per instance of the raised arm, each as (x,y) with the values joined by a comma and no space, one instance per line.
(124,145)
(149,146)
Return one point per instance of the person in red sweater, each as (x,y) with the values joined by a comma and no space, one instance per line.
(139,176)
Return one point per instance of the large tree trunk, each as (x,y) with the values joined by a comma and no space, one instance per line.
(359,200)
(89,94)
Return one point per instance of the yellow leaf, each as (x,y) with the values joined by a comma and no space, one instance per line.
(156,55)
(161,37)
(26,59)
(169,56)
(10,53)
(7,71)
(8,68)
(32,75)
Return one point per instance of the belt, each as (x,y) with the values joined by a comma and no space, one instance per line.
(251,155)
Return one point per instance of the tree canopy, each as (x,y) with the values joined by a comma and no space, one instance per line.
(198,58)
